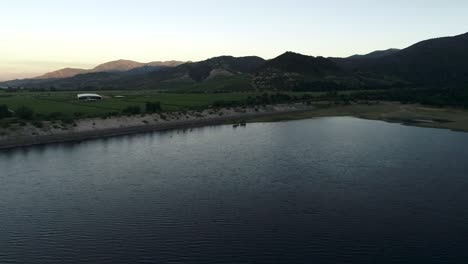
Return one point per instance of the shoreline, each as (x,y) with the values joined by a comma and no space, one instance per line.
(90,129)
(405,114)
(86,129)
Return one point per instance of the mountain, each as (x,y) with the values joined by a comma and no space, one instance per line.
(211,68)
(117,66)
(145,69)
(374,55)
(171,63)
(224,71)
(63,73)
(298,63)
(433,62)
(290,71)
(219,73)
(356,61)
(87,81)
(128,65)
(220,66)
(113,66)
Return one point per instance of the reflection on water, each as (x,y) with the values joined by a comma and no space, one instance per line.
(331,190)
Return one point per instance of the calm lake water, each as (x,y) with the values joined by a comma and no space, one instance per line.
(330,190)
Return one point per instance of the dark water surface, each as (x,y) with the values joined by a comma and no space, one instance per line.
(331,190)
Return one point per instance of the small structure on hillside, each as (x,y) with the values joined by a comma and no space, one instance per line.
(89,97)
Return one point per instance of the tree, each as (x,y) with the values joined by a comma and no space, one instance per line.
(25,112)
(132,110)
(153,107)
(4,112)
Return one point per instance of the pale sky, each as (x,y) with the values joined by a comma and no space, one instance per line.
(41,36)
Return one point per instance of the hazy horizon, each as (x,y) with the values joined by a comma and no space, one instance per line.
(49,35)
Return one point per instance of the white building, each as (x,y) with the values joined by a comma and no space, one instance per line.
(89,97)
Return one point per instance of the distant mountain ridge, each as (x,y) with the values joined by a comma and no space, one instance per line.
(434,63)
(112,66)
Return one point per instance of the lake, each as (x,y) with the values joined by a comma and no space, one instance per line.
(328,190)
